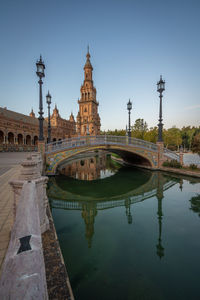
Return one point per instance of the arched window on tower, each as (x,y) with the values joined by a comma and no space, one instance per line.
(88,95)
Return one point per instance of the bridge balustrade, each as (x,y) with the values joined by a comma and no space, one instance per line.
(171,154)
(99,140)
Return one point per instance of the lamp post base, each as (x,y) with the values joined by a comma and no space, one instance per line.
(41,147)
(160,153)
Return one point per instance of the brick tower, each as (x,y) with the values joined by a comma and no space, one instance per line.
(88,120)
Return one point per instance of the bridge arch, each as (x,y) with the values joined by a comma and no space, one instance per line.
(139,151)
(129,155)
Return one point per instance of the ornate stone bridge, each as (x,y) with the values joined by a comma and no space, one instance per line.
(137,151)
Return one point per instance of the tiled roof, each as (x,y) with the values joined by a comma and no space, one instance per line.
(19,117)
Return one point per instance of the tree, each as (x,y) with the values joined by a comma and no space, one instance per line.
(117,132)
(151,135)
(195,145)
(139,129)
(187,136)
(172,138)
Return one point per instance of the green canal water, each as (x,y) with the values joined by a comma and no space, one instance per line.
(127,233)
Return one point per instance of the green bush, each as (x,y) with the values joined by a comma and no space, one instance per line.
(172,164)
(115,155)
(193,166)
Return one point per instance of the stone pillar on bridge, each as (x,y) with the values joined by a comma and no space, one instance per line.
(31,172)
(41,149)
(38,158)
(160,153)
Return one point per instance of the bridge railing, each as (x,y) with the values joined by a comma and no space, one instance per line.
(99,140)
(171,154)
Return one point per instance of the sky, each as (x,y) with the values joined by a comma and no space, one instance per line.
(132,42)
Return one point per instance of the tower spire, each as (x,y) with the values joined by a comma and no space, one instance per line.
(88,64)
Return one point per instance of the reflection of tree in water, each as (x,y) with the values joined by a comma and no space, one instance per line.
(195,204)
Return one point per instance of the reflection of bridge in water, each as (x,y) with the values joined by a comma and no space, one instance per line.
(155,187)
(100,205)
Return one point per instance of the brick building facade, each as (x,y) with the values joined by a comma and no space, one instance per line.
(19,132)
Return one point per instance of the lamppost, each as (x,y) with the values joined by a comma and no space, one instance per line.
(40,73)
(48,97)
(160,89)
(129,107)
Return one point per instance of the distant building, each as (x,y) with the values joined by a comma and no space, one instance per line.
(20,132)
(88,120)
(61,128)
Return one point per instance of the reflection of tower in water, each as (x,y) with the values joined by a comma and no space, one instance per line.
(89,212)
(159,194)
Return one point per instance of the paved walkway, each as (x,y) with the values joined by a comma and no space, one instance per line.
(9,170)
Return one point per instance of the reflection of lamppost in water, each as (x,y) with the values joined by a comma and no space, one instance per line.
(128,211)
(159,194)
(181,184)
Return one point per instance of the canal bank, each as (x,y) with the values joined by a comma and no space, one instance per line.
(15,267)
(58,283)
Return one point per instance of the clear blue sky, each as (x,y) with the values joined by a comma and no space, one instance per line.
(131,43)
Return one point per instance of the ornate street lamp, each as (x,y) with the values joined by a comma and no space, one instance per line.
(160,89)
(48,97)
(40,73)
(129,107)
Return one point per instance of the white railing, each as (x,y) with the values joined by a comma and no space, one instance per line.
(171,154)
(99,140)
